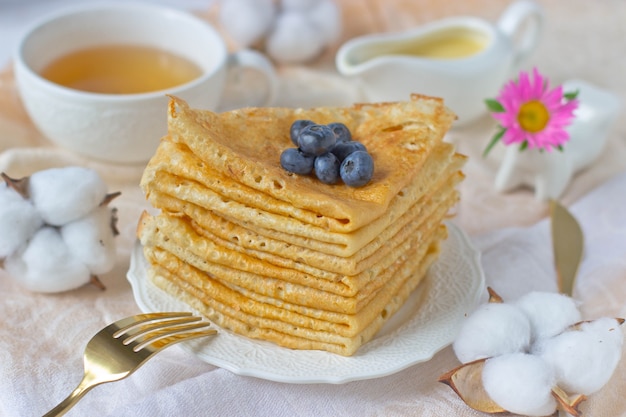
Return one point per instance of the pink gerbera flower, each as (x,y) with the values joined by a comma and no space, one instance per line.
(532,115)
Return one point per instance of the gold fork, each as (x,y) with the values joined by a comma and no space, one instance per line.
(121,348)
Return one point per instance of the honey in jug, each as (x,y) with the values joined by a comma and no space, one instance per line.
(451,44)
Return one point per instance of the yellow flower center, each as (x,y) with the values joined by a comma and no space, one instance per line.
(533,116)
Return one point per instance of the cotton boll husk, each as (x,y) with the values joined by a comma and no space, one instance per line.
(584,360)
(549,313)
(326,17)
(62,195)
(91,240)
(45,264)
(294,39)
(493,329)
(247,21)
(19,220)
(520,383)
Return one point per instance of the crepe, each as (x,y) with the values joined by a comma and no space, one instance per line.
(348,295)
(245,145)
(182,233)
(283,334)
(176,172)
(253,240)
(285,258)
(313,317)
(284,282)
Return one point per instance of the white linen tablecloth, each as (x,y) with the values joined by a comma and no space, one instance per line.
(42,337)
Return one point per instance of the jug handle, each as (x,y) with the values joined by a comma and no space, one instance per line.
(525,38)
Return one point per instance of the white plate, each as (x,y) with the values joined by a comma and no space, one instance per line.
(427,323)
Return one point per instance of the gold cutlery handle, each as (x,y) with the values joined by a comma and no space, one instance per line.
(70,401)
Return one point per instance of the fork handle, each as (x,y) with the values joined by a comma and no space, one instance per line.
(64,406)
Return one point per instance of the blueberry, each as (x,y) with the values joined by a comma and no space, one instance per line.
(296,127)
(316,139)
(343,149)
(296,161)
(327,168)
(341,131)
(357,169)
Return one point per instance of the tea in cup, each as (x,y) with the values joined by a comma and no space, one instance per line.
(95,79)
(121,69)
(461,59)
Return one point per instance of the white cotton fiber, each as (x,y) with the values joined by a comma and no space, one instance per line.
(326,17)
(549,313)
(19,220)
(247,21)
(584,360)
(298,5)
(62,195)
(45,264)
(294,39)
(493,329)
(91,240)
(520,383)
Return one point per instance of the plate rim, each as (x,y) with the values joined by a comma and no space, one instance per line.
(476,283)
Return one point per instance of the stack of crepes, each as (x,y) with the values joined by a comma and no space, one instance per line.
(286,258)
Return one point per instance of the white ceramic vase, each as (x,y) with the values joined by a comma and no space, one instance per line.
(549,173)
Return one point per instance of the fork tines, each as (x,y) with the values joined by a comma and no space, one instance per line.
(160,329)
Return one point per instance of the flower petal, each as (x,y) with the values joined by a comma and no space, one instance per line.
(514,95)
(538,85)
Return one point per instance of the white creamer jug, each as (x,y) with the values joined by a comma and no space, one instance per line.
(464,60)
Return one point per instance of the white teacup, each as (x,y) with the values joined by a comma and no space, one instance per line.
(461,59)
(123,128)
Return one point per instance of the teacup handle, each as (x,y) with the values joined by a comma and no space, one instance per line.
(512,21)
(247,58)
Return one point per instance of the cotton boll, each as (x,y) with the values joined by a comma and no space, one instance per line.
(520,383)
(493,329)
(294,39)
(298,5)
(62,195)
(549,313)
(45,264)
(247,21)
(584,359)
(19,220)
(91,240)
(327,18)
